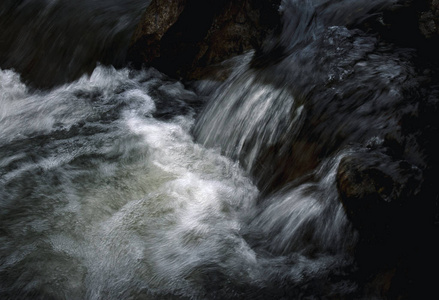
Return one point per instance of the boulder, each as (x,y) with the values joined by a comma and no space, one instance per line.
(377,192)
(185,38)
(429,19)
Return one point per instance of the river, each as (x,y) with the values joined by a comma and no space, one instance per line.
(118,183)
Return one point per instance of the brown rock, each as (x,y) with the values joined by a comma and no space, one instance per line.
(184,38)
(377,192)
(157,19)
(429,20)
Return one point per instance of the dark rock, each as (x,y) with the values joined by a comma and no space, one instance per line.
(377,192)
(183,38)
(156,21)
(413,24)
(389,202)
(429,20)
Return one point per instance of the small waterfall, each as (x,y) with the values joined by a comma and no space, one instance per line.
(127,184)
(246,117)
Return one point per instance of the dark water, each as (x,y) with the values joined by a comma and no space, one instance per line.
(126,184)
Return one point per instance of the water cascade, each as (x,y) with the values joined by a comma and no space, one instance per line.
(118,183)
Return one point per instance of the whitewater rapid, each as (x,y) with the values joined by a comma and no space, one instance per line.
(104,196)
(126,184)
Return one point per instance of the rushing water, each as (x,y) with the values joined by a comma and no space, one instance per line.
(125,184)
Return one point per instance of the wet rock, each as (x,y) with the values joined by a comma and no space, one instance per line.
(377,192)
(429,20)
(388,201)
(184,38)
(156,21)
(413,24)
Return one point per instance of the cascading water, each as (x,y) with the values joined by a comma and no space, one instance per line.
(117,186)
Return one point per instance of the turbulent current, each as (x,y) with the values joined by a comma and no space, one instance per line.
(126,184)
(101,199)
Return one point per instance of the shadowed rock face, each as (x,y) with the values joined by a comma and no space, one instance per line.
(156,21)
(388,201)
(429,19)
(377,191)
(182,38)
